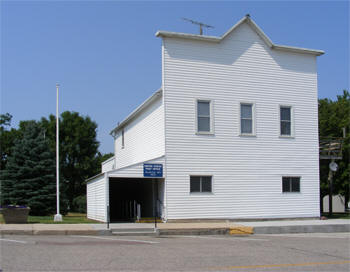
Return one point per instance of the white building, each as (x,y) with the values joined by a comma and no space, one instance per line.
(234,128)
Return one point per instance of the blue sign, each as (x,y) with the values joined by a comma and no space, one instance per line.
(153,170)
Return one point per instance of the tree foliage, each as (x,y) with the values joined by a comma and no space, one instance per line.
(7,138)
(333,117)
(78,151)
(28,178)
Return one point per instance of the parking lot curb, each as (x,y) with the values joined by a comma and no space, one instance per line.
(302,229)
(187,230)
(239,230)
(194,231)
(16,232)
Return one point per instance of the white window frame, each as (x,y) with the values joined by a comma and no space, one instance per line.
(253,134)
(292,133)
(291,176)
(201,193)
(211,116)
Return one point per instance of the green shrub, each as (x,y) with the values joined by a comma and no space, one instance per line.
(79,204)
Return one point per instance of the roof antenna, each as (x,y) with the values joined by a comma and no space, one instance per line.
(201,25)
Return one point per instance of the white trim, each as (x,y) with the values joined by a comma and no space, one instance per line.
(107,196)
(253,134)
(108,160)
(165,201)
(253,25)
(88,180)
(137,111)
(292,125)
(211,117)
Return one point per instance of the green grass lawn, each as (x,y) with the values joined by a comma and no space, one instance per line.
(70,218)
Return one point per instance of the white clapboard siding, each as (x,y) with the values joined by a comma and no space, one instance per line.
(97,198)
(247,171)
(108,165)
(135,170)
(143,137)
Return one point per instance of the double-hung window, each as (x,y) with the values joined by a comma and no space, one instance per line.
(200,184)
(290,184)
(204,117)
(247,119)
(286,121)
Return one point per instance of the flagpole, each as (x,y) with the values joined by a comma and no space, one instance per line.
(58,216)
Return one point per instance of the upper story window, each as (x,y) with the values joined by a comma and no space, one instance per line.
(247,119)
(285,120)
(290,184)
(123,143)
(200,184)
(204,117)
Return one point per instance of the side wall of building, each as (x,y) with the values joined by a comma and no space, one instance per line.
(246,171)
(143,137)
(96,198)
(108,165)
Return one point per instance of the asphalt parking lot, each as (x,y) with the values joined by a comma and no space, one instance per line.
(288,252)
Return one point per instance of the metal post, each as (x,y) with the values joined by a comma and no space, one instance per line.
(58,216)
(108,216)
(330,194)
(154,204)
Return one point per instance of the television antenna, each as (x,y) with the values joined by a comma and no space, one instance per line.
(201,25)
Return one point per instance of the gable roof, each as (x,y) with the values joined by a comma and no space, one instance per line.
(252,24)
(137,111)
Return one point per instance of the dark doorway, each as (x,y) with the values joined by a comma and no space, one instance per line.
(126,193)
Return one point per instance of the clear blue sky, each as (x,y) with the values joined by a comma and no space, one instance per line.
(107,59)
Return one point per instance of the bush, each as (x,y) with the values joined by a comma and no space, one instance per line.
(80,204)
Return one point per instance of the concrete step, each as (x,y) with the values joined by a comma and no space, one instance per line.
(132,229)
(148,220)
(134,232)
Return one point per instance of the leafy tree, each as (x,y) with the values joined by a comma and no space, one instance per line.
(28,178)
(7,138)
(78,151)
(333,117)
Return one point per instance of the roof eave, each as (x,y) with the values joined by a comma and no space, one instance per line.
(137,111)
(298,49)
(168,34)
(257,29)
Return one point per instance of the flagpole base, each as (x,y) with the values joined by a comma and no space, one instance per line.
(57,218)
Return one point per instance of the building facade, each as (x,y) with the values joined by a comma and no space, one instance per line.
(234,129)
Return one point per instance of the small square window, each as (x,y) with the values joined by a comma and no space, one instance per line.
(200,184)
(290,184)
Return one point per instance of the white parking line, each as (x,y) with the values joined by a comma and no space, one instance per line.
(14,241)
(113,239)
(228,238)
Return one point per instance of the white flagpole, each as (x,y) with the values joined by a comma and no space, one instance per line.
(58,216)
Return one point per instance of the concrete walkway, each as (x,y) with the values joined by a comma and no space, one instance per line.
(197,228)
